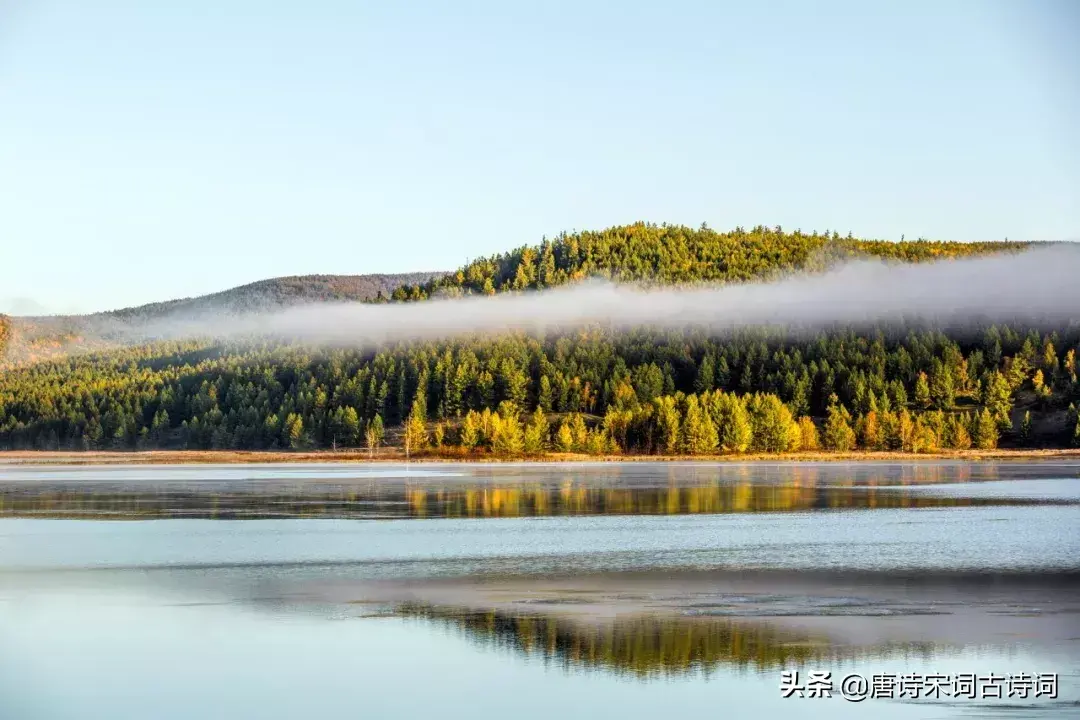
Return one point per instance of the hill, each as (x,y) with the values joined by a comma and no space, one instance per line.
(675,255)
(898,387)
(36,338)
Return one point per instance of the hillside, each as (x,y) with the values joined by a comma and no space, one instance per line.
(675,254)
(900,387)
(37,338)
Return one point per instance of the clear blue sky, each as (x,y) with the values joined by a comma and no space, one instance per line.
(151,150)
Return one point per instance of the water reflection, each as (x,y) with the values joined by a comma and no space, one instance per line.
(648,645)
(566,498)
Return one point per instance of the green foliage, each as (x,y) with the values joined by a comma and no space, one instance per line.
(634,387)
(986,431)
(838,436)
(672,254)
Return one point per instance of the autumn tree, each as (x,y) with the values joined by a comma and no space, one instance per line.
(838,435)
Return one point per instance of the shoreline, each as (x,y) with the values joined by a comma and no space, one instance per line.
(393,456)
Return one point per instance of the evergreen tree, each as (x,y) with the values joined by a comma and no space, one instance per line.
(922,392)
(997,398)
(536,433)
(705,376)
(986,431)
(564,437)
(699,433)
(293,431)
(838,435)
(470,430)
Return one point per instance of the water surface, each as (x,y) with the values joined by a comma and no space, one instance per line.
(637,589)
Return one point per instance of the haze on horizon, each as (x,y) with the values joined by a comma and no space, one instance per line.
(152,151)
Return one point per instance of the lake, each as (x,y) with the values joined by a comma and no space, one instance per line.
(594,589)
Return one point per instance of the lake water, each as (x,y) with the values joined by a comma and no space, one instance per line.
(583,590)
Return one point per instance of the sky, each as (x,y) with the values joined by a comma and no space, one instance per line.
(153,150)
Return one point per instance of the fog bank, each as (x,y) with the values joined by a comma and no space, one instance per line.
(1039,286)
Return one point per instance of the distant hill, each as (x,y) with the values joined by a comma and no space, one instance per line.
(279,292)
(25,339)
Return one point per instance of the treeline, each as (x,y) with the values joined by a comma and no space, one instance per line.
(675,254)
(592,391)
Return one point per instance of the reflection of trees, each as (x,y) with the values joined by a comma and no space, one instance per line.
(801,492)
(649,645)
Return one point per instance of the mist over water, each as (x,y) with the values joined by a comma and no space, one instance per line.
(1038,286)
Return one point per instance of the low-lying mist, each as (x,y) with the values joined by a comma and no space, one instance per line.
(1040,286)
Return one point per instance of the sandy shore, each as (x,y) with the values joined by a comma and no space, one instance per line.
(393,455)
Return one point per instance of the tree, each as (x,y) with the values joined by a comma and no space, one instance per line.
(699,433)
(564,437)
(544,400)
(1076,434)
(986,431)
(942,386)
(579,432)
(922,392)
(1042,391)
(536,433)
(732,421)
(507,437)
(808,435)
(838,436)
(438,435)
(957,434)
(870,433)
(997,398)
(416,433)
(1025,428)
(774,428)
(667,424)
(470,430)
(706,376)
(293,431)
(924,439)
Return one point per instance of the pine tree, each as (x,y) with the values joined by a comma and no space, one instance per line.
(942,386)
(293,431)
(536,433)
(564,437)
(507,437)
(997,398)
(699,433)
(667,421)
(544,400)
(470,430)
(870,433)
(415,436)
(986,431)
(774,428)
(838,436)
(732,422)
(958,437)
(922,392)
(705,376)
(579,432)
(1076,435)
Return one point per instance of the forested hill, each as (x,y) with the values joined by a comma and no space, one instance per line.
(675,254)
(598,391)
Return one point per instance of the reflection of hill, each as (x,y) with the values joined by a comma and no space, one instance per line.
(390,500)
(646,646)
